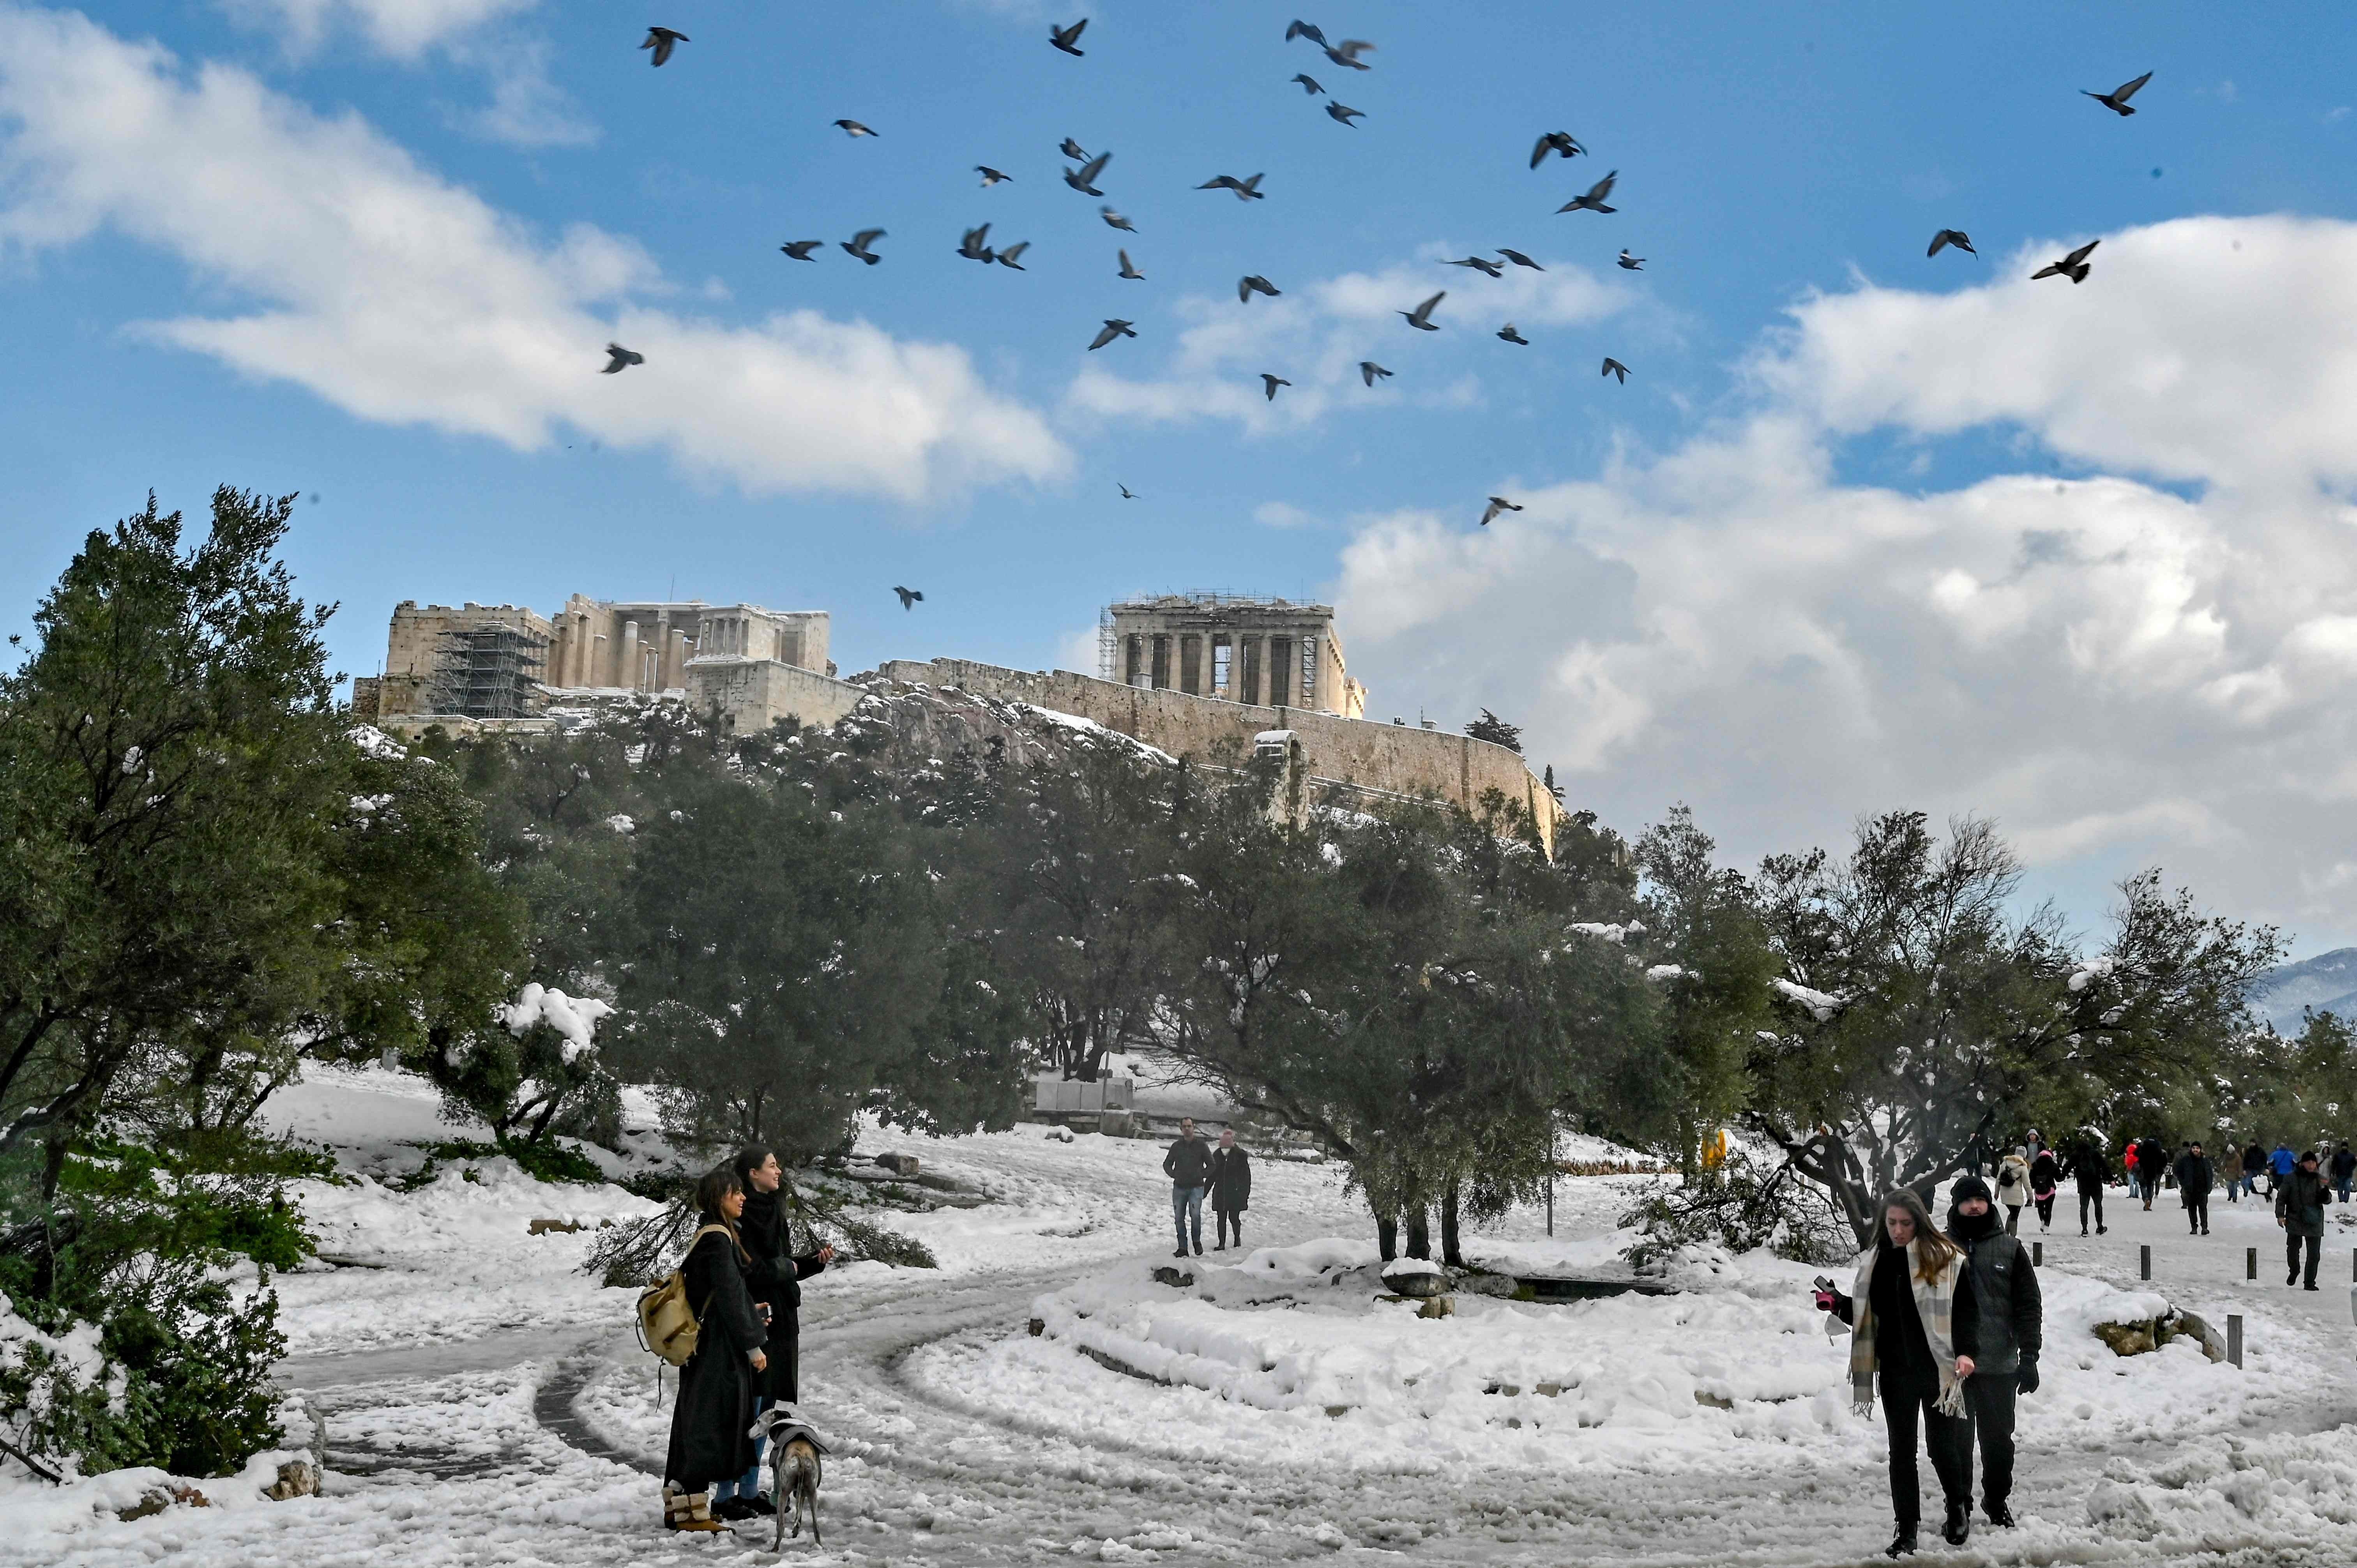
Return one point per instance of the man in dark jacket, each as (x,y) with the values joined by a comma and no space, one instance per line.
(774,1277)
(2010,1328)
(2194,1175)
(2089,1168)
(2300,1209)
(2152,1164)
(1231,1188)
(2255,1160)
(1188,1166)
(2344,1170)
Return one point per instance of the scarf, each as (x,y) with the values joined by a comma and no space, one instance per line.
(1935,1303)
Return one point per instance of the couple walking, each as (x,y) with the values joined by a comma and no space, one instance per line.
(1195,1169)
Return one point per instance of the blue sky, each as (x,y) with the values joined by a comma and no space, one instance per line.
(1802,565)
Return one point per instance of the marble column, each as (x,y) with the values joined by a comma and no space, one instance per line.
(630,676)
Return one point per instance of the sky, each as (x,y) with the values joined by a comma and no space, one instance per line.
(1863,530)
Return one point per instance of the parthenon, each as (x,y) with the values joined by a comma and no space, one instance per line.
(1239,648)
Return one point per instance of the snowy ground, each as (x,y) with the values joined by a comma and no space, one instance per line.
(485,1405)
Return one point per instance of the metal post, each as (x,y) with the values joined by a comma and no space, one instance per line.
(2145,1255)
(2250,1263)
(2234,1338)
(2038,1253)
(1551,1145)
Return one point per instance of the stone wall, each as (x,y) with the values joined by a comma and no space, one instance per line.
(754,693)
(1384,759)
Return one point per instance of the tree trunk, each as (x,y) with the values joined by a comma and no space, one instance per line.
(1387,1236)
(1419,1233)
(1448,1251)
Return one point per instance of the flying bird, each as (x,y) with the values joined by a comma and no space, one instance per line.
(1084,179)
(1245,189)
(972,247)
(1632,263)
(1309,85)
(1128,267)
(1480,264)
(1615,368)
(662,40)
(1126,493)
(1065,39)
(908,596)
(857,244)
(1594,201)
(1497,505)
(1368,371)
(1348,51)
(852,129)
(618,358)
(1113,329)
(1116,220)
(800,250)
(2117,100)
(1554,142)
(1956,237)
(1520,260)
(1345,113)
(1270,383)
(1421,316)
(1511,335)
(1249,287)
(1072,149)
(2072,266)
(990,175)
(1299,30)
(1007,254)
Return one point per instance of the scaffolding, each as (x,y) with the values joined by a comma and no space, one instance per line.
(488,672)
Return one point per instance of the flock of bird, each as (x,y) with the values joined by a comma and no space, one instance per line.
(1086,170)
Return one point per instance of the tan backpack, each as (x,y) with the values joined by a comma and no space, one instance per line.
(668,1325)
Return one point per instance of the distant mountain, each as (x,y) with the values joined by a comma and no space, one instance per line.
(2327,982)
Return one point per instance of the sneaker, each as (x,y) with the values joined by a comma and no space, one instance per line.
(2001,1516)
(1902,1544)
(1180,1253)
(1198,1249)
(1959,1527)
(2292,1278)
(2308,1287)
(759,1506)
(2103,1230)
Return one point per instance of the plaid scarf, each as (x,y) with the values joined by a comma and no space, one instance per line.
(1935,1302)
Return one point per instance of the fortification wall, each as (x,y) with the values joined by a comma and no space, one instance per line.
(754,693)
(1387,759)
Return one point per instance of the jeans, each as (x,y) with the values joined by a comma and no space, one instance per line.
(2097,1200)
(1230,1219)
(2341,1187)
(1949,1437)
(1990,1396)
(2291,1252)
(1186,1206)
(747,1485)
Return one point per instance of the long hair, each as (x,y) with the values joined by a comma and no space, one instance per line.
(718,1182)
(1934,1248)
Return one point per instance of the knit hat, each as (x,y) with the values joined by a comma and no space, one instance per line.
(1967,1186)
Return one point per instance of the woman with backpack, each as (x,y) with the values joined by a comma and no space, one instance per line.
(711,1422)
(2013,1188)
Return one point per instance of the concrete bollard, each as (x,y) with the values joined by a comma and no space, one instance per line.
(2038,1253)
(2250,1263)
(2234,1338)
(2144,1263)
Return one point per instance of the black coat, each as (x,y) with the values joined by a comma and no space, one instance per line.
(714,1411)
(2300,1198)
(2045,1173)
(2344,1164)
(2193,1176)
(1230,1180)
(775,1278)
(1189,1163)
(2009,1315)
(2152,1159)
(2089,1167)
(2254,1159)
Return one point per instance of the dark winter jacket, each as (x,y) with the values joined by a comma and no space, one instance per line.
(2194,1175)
(2045,1174)
(2089,1167)
(2008,1317)
(2344,1164)
(775,1278)
(715,1409)
(1230,1180)
(2300,1198)
(1903,1351)
(2255,1160)
(1189,1163)
(2152,1160)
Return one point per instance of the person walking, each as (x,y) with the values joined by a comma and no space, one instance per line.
(2013,1187)
(711,1440)
(774,1279)
(2152,1168)
(2045,1178)
(1188,1166)
(2255,1160)
(2128,1164)
(2194,1175)
(1913,1330)
(2089,1170)
(1231,1188)
(2010,1321)
(2300,1198)
(2279,1167)
(2344,1170)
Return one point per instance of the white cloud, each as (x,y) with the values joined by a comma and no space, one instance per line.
(401,29)
(403,299)
(1282,514)
(526,110)
(2120,673)
(1314,335)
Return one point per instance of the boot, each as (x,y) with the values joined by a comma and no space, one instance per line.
(2001,1516)
(759,1506)
(1959,1527)
(689,1511)
(1902,1544)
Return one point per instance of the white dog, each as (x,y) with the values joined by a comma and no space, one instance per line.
(794,1468)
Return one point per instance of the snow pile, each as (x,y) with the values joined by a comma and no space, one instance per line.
(52,1371)
(374,742)
(575,1017)
(1821,1006)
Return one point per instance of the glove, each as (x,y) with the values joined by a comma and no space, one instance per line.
(2027,1378)
(1825,1300)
